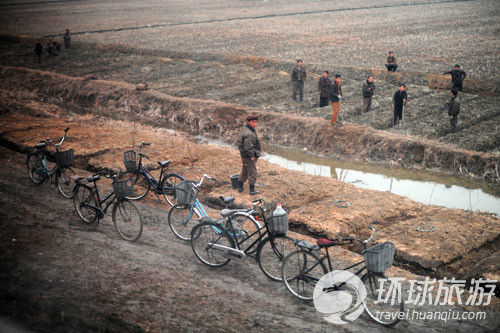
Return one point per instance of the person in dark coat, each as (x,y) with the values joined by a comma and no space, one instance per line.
(67,39)
(453,109)
(368,90)
(399,101)
(299,77)
(324,89)
(391,64)
(39,50)
(457,77)
(335,97)
(249,146)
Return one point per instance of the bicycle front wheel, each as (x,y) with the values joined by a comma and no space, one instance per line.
(301,271)
(382,307)
(84,200)
(66,182)
(127,220)
(35,168)
(141,184)
(272,252)
(168,185)
(179,221)
(204,237)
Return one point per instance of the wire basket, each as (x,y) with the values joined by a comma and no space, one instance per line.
(380,257)
(130,160)
(185,192)
(278,225)
(65,158)
(123,188)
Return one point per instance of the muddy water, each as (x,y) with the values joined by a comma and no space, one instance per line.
(422,186)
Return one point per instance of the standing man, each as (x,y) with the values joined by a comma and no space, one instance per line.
(335,97)
(391,64)
(324,89)
(38,50)
(399,101)
(457,77)
(299,77)
(249,147)
(453,109)
(67,39)
(368,89)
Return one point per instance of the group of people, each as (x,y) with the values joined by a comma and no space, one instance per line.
(53,47)
(330,91)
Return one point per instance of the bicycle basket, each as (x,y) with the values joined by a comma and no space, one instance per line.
(186,192)
(129,159)
(123,188)
(380,257)
(65,158)
(278,224)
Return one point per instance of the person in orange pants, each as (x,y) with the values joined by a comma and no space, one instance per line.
(335,97)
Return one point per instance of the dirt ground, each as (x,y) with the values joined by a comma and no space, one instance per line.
(264,85)
(58,275)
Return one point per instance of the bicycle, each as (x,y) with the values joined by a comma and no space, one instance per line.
(127,219)
(61,174)
(302,269)
(144,180)
(214,242)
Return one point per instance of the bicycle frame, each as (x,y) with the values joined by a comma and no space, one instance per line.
(46,172)
(99,209)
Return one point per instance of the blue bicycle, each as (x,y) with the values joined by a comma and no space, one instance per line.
(180,216)
(144,180)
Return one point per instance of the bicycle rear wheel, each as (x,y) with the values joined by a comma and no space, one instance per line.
(127,220)
(180,221)
(301,271)
(84,199)
(272,252)
(35,168)
(203,238)
(384,311)
(66,182)
(244,226)
(141,184)
(168,185)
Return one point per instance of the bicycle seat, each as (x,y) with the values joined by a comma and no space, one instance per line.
(228,212)
(226,200)
(41,144)
(93,178)
(305,245)
(164,164)
(323,242)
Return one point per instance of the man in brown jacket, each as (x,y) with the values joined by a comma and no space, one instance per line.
(391,64)
(249,146)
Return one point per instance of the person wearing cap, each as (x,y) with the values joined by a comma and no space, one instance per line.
(299,76)
(391,64)
(399,101)
(335,97)
(324,89)
(457,77)
(368,90)
(453,109)
(249,146)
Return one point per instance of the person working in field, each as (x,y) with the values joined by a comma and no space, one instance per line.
(324,89)
(399,101)
(335,97)
(391,63)
(453,109)
(457,77)
(249,146)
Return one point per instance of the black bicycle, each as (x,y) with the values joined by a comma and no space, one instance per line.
(215,242)
(91,208)
(144,180)
(61,175)
(302,269)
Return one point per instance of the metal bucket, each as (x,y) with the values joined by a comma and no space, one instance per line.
(234,181)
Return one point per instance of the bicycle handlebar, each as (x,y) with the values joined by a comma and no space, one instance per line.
(60,142)
(365,241)
(205,176)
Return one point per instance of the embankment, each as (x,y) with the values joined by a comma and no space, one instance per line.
(120,100)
